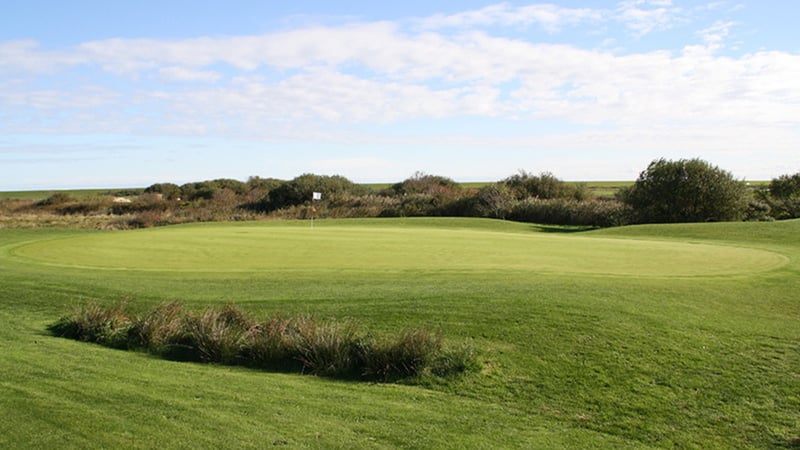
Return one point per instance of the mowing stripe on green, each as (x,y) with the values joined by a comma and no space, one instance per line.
(270,247)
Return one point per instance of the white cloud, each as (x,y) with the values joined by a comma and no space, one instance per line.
(174,73)
(322,83)
(25,56)
(640,17)
(550,17)
(375,74)
(715,35)
(647,16)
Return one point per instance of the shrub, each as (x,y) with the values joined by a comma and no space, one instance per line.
(595,213)
(783,196)
(348,206)
(299,191)
(421,183)
(168,191)
(56,199)
(494,200)
(545,186)
(685,191)
(87,206)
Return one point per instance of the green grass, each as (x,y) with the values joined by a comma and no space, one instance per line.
(647,336)
(376,246)
(75,193)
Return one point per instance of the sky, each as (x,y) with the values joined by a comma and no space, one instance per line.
(100,94)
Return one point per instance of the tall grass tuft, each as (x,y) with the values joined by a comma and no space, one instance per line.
(229,336)
(163,332)
(268,344)
(456,360)
(217,335)
(95,323)
(405,356)
(325,348)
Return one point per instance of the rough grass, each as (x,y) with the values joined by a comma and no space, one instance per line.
(229,336)
(689,357)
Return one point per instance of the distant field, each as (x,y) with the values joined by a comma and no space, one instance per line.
(76,193)
(599,189)
(655,336)
(605,189)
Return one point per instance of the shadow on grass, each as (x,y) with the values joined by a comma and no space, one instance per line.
(562,229)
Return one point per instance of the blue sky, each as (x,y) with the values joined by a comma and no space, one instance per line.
(125,94)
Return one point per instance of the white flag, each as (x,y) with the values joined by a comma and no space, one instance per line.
(317,196)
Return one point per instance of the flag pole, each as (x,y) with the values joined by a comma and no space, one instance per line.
(314,196)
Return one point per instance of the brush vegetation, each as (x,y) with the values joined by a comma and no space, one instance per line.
(229,336)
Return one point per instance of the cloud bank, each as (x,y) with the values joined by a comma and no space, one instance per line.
(347,82)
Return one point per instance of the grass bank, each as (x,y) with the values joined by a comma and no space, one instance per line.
(698,349)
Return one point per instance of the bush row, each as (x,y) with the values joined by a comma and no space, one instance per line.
(303,344)
(596,213)
(668,191)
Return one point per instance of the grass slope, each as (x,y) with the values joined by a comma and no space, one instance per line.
(590,339)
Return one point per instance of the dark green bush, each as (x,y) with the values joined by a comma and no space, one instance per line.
(168,191)
(686,191)
(544,186)
(783,197)
(300,190)
(421,183)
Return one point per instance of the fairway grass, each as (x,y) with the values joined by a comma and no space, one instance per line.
(636,337)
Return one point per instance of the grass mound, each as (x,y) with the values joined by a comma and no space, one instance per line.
(227,335)
(693,342)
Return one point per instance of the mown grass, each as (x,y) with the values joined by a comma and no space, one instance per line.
(689,357)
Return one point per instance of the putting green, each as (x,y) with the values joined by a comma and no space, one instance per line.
(275,248)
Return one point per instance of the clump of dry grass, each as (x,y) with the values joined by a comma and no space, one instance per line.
(227,335)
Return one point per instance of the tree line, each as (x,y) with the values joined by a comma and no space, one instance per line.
(667,191)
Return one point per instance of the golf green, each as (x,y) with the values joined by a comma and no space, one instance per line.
(271,247)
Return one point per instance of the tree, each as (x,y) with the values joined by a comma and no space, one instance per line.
(685,191)
(783,196)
